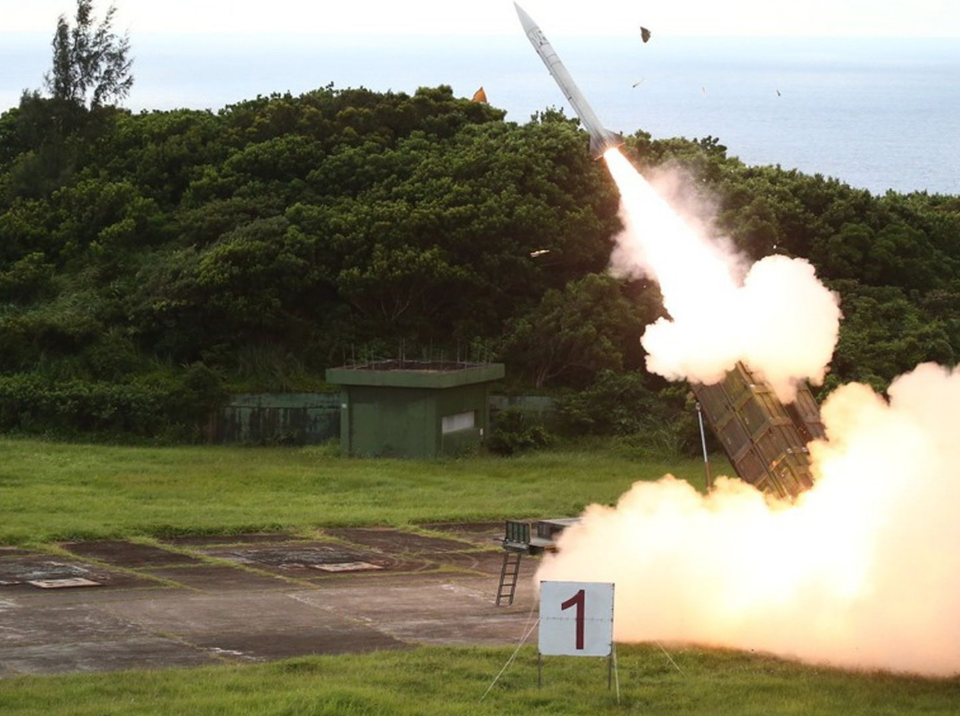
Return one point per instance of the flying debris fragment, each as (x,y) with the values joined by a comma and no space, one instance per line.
(644,34)
(601,139)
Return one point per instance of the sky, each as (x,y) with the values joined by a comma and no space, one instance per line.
(940,18)
(208,54)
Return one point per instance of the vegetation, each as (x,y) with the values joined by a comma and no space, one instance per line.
(57,491)
(453,681)
(89,65)
(153,261)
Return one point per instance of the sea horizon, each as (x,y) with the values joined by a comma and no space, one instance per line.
(875,113)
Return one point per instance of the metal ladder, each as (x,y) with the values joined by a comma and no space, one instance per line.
(508,577)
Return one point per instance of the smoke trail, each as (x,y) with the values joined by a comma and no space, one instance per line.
(779,319)
(861,571)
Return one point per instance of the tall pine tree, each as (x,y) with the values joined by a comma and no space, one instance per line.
(91,64)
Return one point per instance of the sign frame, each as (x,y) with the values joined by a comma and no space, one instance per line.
(576,619)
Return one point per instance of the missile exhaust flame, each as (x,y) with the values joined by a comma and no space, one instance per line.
(775,316)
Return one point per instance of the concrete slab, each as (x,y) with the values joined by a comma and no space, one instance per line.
(140,652)
(488,534)
(388,540)
(483,561)
(219,578)
(254,626)
(254,599)
(21,569)
(128,554)
(303,560)
(240,539)
(41,634)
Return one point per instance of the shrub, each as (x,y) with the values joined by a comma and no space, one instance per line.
(160,406)
(621,405)
(513,433)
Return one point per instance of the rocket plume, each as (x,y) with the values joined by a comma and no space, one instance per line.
(779,320)
(862,570)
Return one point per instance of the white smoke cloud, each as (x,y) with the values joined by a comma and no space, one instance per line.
(775,315)
(862,571)
(782,322)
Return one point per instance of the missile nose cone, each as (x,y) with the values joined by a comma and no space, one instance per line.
(525,20)
(601,139)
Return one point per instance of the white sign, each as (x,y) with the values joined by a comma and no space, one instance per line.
(576,618)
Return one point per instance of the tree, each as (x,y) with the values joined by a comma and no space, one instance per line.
(90,64)
(574,334)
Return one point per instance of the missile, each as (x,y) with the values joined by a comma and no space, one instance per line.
(601,139)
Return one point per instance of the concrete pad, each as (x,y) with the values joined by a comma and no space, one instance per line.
(388,540)
(136,652)
(431,610)
(485,561)
(488,534)
(254,626)
(219,578)
(19,569)
(259,599)
(241,539)
(42,634)
(302,560)
(128,554)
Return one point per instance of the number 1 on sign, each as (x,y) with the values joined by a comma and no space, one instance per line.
(577,600)
(576,618)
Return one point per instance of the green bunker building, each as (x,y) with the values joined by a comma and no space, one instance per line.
(414,409)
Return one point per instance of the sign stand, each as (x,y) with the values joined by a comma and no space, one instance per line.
(576,619)
(611,670)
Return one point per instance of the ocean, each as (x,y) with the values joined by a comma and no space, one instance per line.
(877,113)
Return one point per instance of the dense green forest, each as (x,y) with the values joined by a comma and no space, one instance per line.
(152,262)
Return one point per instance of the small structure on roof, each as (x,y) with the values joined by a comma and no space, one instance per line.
(415,409)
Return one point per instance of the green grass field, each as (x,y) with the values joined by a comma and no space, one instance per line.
(57,491)
(54,491)
(455,681)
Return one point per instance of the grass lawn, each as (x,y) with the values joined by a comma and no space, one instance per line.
(455,681)
(58,491)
